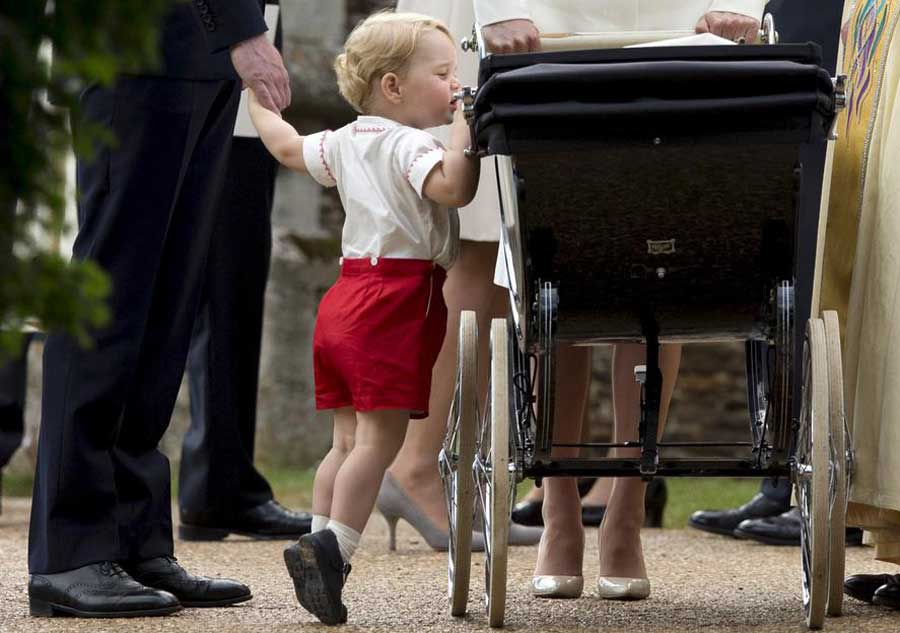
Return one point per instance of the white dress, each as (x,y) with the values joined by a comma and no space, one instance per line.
(480,220)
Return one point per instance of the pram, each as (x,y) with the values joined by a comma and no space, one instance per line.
(650,195)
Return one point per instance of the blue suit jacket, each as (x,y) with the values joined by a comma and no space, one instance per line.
(195,37)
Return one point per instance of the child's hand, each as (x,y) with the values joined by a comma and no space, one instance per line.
(253,102)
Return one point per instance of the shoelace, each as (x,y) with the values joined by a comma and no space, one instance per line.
(109,568)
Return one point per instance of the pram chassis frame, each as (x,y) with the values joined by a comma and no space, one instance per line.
(774,449)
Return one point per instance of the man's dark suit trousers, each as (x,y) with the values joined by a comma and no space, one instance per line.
(147,208)
(217,479)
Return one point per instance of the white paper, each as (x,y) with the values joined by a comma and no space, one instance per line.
(701,39)
(243,126)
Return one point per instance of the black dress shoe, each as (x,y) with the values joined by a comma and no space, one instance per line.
(854,536)
(783,529)
(592,516)
(165,573)
(319,573)
(268,521)
(863,586)
(888,595)
(528,513)
(101,590)
(725,521)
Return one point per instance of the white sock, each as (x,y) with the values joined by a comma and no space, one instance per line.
(319,522)
(347,538)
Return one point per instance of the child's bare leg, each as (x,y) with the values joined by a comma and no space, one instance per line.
(323,484)
(379,435)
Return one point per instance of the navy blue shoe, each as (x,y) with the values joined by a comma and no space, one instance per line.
(319,573)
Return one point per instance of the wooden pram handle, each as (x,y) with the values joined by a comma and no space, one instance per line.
(612,39)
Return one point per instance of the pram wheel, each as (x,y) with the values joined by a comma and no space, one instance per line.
(840,464)
(493,477)
(455,461)
(811,474)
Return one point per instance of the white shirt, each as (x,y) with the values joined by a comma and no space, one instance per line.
(379,167)
(595,16)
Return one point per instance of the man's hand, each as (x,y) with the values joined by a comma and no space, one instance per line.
(512,36)
(260,67)
(731,26)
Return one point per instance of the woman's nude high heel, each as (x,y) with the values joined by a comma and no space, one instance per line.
(557,586)
(615,588)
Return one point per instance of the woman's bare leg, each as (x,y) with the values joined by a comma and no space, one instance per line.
(562,543)
(379,435)
(599,493)
(620,534)
(469,286)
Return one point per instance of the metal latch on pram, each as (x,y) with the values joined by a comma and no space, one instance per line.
(840,102)
(467,97)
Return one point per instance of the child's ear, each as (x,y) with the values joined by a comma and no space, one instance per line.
(391,88)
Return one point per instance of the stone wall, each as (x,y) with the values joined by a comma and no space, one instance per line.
(307,224)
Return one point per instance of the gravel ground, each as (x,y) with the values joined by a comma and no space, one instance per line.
(700,582)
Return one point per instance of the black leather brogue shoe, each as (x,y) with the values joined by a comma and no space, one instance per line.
(863,586)
(725,521)
(165,573)
(268,521)
(888,595)
(100,590)
(783,529)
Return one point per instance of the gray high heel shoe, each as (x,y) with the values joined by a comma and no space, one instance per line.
(393,504)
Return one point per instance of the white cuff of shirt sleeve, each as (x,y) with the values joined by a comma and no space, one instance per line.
(751,8)
(418,170)
(314,159)
(493,11)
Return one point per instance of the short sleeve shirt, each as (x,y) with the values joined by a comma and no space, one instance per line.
(379,167)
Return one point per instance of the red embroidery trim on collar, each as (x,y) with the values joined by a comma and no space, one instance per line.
(363,130)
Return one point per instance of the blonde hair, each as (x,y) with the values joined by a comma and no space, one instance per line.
(382,43)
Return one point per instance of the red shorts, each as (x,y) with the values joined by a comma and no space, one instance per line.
(378,333)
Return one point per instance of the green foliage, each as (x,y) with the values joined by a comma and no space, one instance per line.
(92,41)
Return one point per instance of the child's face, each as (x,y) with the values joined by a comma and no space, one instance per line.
(431,81)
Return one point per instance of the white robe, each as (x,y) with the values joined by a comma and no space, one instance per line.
(480,220)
